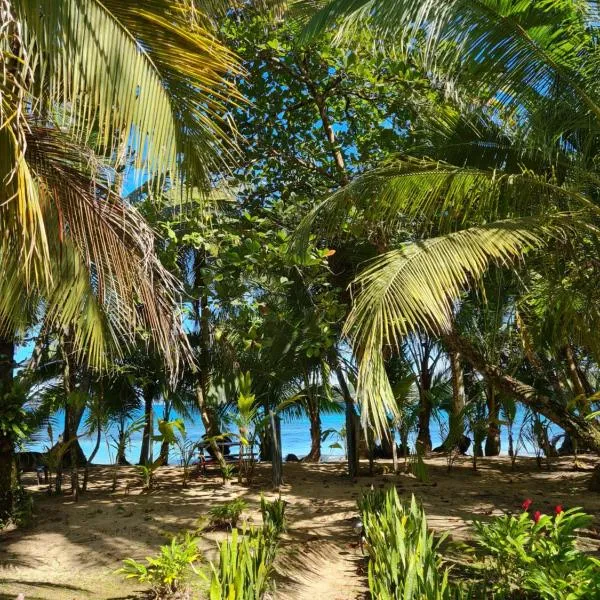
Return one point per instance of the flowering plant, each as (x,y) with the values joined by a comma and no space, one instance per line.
(536,553)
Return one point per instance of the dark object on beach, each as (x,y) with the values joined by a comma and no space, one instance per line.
(378,452)
(359,530)
(462,446)
(33,462)
(292,458)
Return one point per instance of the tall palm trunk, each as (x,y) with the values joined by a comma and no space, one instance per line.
(148,423)
(352,427)
(73,412)
(425,406)
(8,468)
(266,436)
(202,386)
(457,420)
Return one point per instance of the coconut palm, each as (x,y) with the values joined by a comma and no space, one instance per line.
(93,95)
(89,90)
(514,174)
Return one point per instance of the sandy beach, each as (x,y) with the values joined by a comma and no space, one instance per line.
(71,550)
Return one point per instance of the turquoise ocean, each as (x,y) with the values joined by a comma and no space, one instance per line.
(295,438)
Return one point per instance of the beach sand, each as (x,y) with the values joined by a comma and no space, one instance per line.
(71,550)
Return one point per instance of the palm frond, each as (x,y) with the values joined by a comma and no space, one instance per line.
(511,52)
(104,276)
(118,69)
(416,287)
(425,193)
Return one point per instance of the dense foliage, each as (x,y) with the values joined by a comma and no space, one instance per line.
(242,212)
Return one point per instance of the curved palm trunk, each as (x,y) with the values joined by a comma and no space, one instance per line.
(8,468)
(555,411)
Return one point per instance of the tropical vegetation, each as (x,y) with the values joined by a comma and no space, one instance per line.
(228,216)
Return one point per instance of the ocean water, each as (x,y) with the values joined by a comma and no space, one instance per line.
(295,438)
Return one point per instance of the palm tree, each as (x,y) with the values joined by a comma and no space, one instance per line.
(513,174)
(93,94)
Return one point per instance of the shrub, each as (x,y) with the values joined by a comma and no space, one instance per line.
(228,514)
(403,556)
(245,566)
(273,514)
(536,555)
(170,572)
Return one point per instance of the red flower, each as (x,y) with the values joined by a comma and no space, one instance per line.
(527,503)
(537,515)
(558,509)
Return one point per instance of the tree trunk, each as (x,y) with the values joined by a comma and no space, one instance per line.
(164,453)
(277,462)
(352,426)
(265,436)
(457,419)
(148,418)
(121,458)
(8,468)
(86,473)
(210,427)
(425,407)
(202,387)
(587,431)
(73,412)
(314,416)
(578,386)
(492,441)
(394,450)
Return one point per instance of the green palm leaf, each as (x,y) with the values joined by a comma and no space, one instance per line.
(417,286)
(511,51)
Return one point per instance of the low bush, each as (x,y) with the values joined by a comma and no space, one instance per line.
(372,500)
(170,573)
(227,515)
(404,562)
(245,565)
(534,555)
